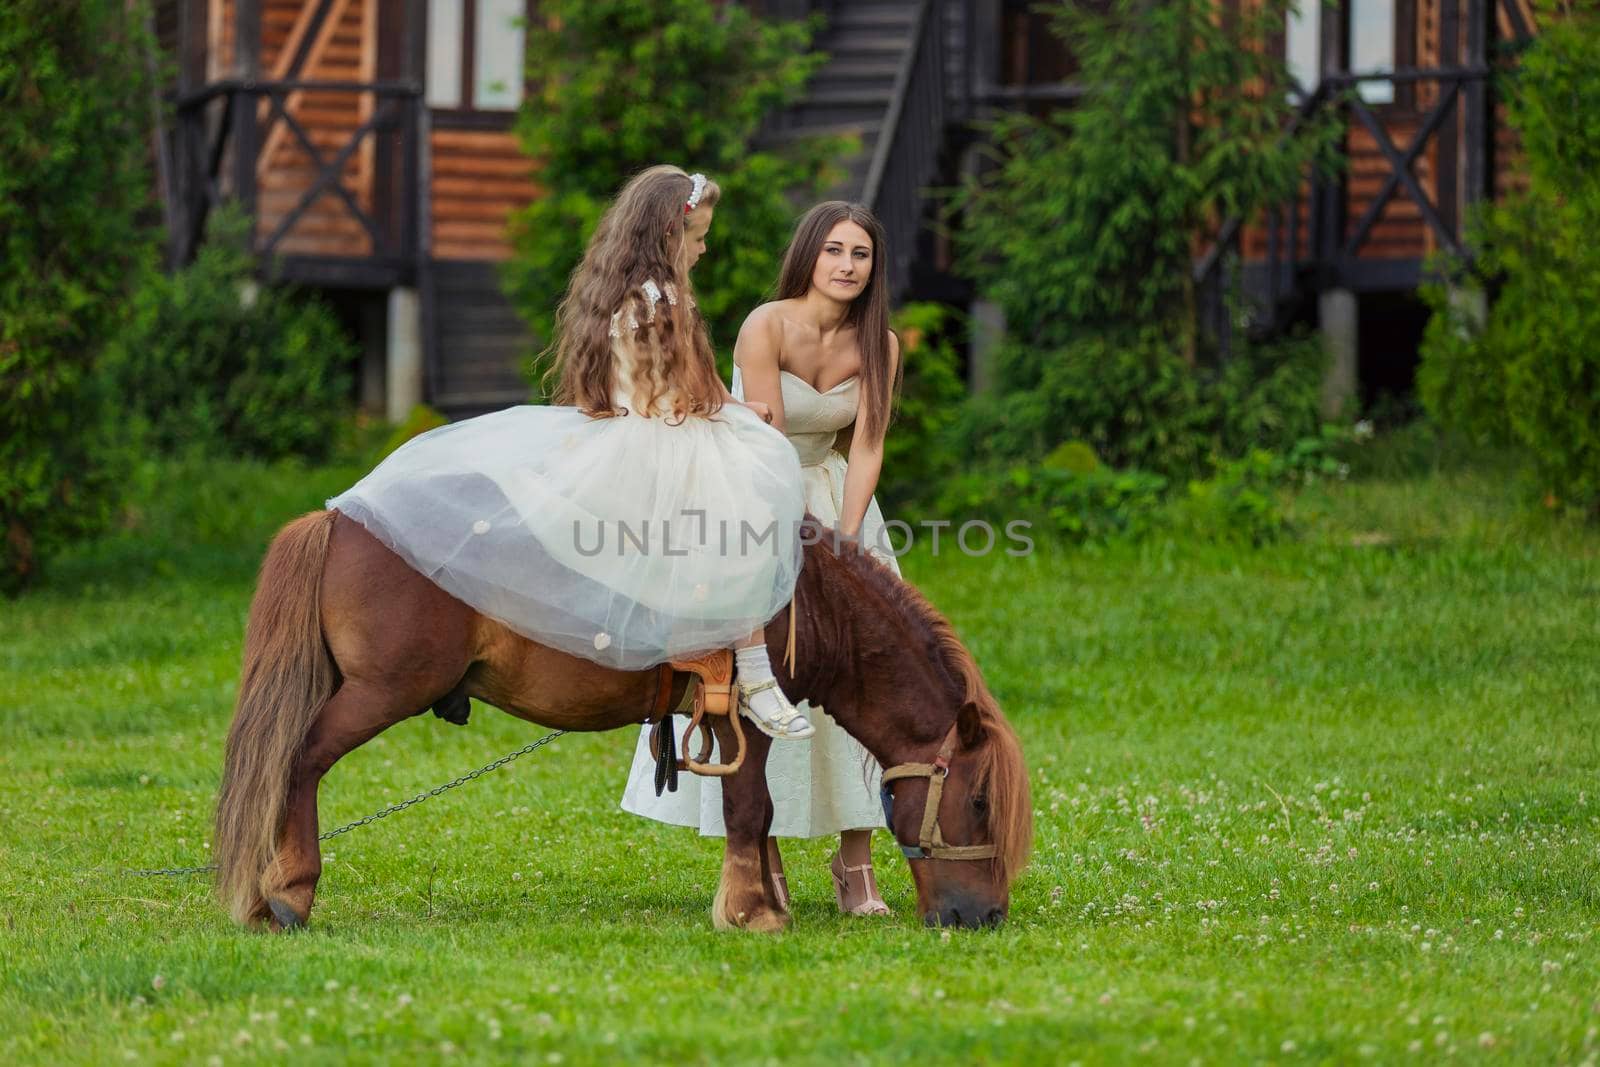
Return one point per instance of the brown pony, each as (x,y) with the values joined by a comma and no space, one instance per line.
(344,640)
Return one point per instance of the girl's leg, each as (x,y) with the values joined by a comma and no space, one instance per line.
(760,699)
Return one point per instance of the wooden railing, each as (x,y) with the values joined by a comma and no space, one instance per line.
(907,152)
(218,143)
(1330,255)
(1309,244)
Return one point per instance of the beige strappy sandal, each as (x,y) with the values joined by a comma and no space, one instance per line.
(789,725)
(873,904)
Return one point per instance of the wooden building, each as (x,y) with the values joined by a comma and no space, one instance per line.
(372,142)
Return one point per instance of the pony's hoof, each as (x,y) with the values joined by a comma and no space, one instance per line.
(768,921)
(284,917)
(760,920)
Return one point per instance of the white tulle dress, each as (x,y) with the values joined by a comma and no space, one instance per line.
(627,540)
(828,783)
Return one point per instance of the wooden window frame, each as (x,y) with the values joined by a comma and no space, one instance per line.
(1404,103)
(468,116)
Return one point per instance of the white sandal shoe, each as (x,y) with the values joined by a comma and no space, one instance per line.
(789,725)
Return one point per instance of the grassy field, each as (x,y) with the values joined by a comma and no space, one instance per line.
(1332,800)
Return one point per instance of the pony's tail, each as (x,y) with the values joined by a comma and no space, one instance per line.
(288,676)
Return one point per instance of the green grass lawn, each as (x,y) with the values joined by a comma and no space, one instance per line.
(1331,800)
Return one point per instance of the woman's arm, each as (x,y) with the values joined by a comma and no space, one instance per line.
(756,356)
(866,460)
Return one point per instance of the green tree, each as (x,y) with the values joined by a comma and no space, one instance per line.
(1085,230)
(73,182)
(619,85)
(1528,374)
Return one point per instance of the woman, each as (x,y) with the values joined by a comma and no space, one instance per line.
(557,520)
(823,360)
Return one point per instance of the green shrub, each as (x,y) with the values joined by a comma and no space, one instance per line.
(73,182)
(916,455)
(1132,398)
(418,421)
(1244,500)
(1072,497)
(214,362)
(1529,373)
(1096,507)
(619,85)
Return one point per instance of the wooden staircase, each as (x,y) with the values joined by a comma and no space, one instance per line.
(865,41)
(885,81)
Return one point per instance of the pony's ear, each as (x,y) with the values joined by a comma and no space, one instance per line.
(969,725)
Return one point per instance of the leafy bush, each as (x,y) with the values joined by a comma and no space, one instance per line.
(1529,373)
(1244,500)
(419,420)
(211,361)
(1069,495)
(73,182)
(1131,397)
(619,85)
(916,457)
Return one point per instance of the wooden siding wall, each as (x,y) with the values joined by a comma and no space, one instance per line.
(479,178)
(219,40)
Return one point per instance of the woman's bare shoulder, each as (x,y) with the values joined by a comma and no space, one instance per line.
(770,316)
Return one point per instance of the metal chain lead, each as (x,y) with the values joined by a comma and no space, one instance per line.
(384,813)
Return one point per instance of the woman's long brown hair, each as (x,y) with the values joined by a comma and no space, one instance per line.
(869,311)
(639,239)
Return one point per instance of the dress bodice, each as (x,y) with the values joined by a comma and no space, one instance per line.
(812,418)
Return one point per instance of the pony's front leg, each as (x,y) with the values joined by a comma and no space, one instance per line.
(745,895)
(354,715)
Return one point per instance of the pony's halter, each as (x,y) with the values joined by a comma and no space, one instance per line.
(930,841)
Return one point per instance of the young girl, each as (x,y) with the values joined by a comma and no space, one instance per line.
(650,517)
(823,359)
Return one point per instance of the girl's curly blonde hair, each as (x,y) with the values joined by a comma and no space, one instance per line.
(639,239)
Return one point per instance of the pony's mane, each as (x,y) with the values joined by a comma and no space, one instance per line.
(1001,773)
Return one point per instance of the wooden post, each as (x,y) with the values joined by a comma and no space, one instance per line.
(418,180)
(1332,194)
(983,50)
(1449,167)
(1338,321)
(1479,12)
(403,380)
(247,53)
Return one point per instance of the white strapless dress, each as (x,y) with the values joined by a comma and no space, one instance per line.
(828,783)
(628,540)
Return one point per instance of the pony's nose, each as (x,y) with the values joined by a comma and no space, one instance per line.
(995,917)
